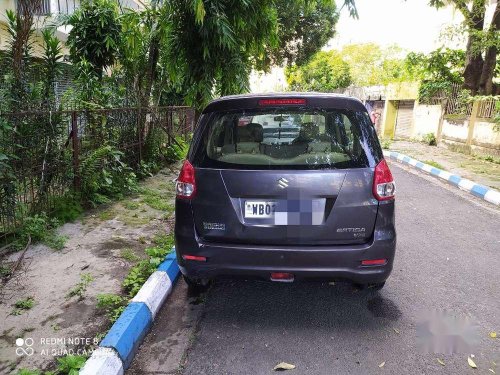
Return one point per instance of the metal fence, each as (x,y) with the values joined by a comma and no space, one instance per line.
(46,149)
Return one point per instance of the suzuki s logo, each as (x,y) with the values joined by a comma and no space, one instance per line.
(283,183)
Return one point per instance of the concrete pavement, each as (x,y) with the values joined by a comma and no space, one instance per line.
(448,260)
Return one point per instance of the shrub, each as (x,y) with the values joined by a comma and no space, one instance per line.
(430,139)
(112,304)
(386,143)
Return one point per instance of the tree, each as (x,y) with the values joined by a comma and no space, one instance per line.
(95,34)
(304,27)
(325,72)
(372,65)
(482,44)
(213,45)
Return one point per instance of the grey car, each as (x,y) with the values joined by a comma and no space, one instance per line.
(269,202)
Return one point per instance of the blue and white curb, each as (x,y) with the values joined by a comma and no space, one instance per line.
(117,349)
(480,191)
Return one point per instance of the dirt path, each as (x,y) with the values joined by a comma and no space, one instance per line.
(101,248)
(479,170)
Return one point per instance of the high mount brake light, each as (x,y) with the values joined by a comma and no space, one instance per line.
(290,101)
(383,183)
(186,185)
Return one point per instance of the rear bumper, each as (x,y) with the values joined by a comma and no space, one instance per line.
(305,263)
(342,262)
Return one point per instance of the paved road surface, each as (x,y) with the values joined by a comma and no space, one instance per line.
(448,259)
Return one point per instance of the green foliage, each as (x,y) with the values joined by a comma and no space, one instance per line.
(5,271)
(23,305)
(51,65)
(213,45)
(40,228)
(129,255)
(177,150)
(67,208)
(371,64)
(112,304)
(325,72)
(141,271)
(304,27)
(70,364)
(386,143)
(441,65)
(104,175)
(137,276)
(430,139)
(95,34)
(435,164)
(79,289)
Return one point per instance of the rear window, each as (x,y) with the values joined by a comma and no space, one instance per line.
(284,138)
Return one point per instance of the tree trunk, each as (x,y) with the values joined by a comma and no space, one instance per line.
(490,59)
(474,59)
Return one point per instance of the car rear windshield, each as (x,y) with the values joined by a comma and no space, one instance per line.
(284,138)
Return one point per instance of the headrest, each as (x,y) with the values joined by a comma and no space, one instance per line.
(257,131)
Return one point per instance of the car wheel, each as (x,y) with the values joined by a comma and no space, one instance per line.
(196,284)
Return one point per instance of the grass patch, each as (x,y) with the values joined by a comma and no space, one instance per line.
(386,143)
(112,304)
(435,164)
(106,215)
(131,205)
(129,255)
(489,158)
(80,288)
(156,199)
(23,305)
(139,273)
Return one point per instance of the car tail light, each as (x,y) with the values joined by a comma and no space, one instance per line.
(373,262)
(186,184)
(195,258)
(282,276)
(383,183)
(284,101)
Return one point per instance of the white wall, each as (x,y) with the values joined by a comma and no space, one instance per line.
(425,119)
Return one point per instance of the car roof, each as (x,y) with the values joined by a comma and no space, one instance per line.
(313,100)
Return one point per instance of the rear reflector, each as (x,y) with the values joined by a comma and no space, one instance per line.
(282,276)
(373,262)
(195,258)
(289,101)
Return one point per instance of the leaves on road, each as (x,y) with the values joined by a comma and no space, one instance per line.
(493,335)
(441,362)
(491,370)
(471,362)
(282,366)
(382,364)
(396,330)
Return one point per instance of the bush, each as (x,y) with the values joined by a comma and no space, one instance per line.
(386,143)
(430,139)
(105,175)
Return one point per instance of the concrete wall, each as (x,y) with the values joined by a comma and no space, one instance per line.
(480,139)
(425,120)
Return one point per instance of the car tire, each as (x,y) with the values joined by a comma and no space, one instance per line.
(196,284)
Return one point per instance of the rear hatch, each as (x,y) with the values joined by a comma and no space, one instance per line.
(313,190)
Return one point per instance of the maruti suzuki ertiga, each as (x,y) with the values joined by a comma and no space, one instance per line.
(285,187)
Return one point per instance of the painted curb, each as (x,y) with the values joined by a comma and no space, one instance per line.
(116,351)
(480,191)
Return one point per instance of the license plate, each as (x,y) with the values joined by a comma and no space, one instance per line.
(259,209)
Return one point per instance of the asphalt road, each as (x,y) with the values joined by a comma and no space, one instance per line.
(448,260)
